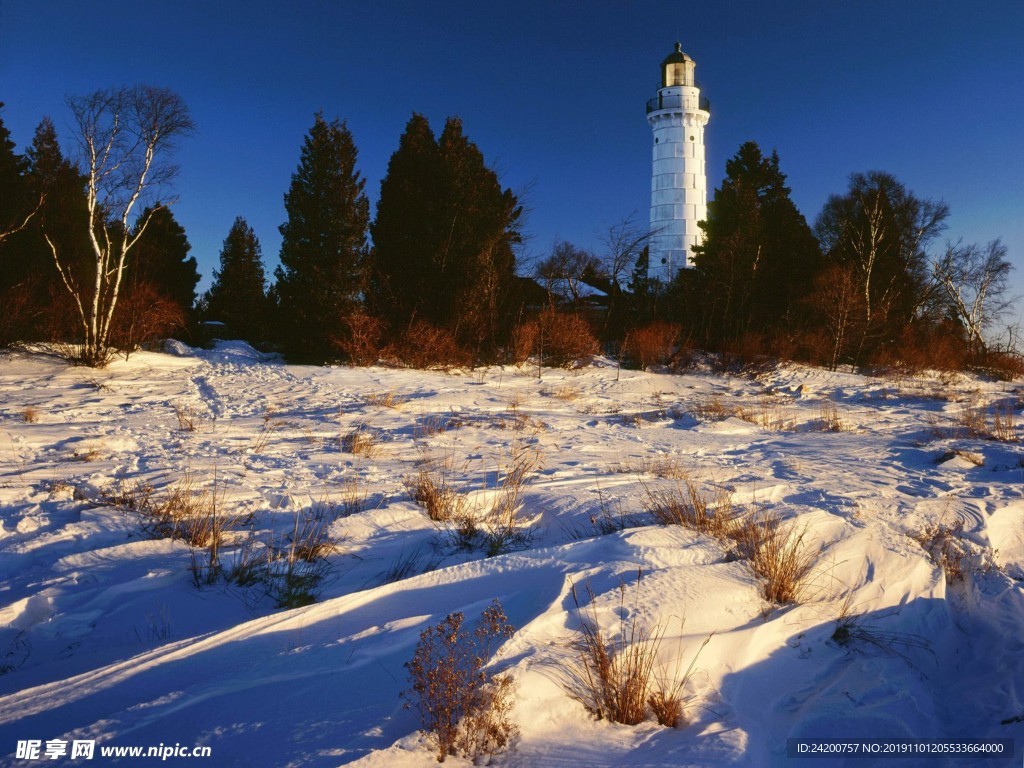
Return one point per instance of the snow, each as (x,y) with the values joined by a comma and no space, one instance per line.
(104,635)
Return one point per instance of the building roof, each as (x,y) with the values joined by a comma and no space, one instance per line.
(676,56)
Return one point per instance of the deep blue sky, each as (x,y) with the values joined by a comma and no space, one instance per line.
(553,92)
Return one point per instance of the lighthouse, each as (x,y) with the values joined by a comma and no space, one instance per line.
(679,190)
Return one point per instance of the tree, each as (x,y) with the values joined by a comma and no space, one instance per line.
(18,205)
(443,237)
(238,295)
(406,231)
(565,269)
(124,136)
(162,259)
(759,256)
(883,231)
(28,278)
(323,250)
(974,283)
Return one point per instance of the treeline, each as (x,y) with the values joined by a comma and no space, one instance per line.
(433,279)
(862,287)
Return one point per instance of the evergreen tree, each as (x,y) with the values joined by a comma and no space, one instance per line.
(444,237)
(407,232)
(759,257)
(238,295)
(161,260)
(45,309)
(15,203)
(323,251)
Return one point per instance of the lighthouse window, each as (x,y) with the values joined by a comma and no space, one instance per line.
(691,138)
(655,141)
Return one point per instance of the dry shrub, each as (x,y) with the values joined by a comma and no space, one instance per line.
(463,706)
(144,316)
(779,557)
(30,415)
(687,505)
(426,346)
(388,399)
(669,467)
(652,344)
(362,338)
(560,339)
(1001,365)
(21,309)
(524,342)
(750,355)
(946,547)
(295,566)
(187,417)
(920,349)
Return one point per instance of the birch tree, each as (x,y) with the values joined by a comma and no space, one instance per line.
(124,137)
(974,282)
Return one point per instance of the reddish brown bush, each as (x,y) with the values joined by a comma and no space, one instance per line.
(144,315)
(918,349)
(750,354)
(423,345)
(652,344)
(565,339)
(362,340)
(524,341)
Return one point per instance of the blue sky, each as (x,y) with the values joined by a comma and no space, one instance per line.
(553,92)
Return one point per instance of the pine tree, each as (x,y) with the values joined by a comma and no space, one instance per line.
(443,237)
(238,295)
(759,256)
(15,200)
(162,260)
(323,251)
(46,311)
(407,232)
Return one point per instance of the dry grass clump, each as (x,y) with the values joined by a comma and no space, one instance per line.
(386,399)
(712,408)
(431,490)
(503,529)
(946,548)
(188,417)
(975,420)
(360,442)
(687,505)
(30,415)
(780,558)
(854,629)
(464,707)
(566,393)
(611,676)
(435,425)
(615,677)
(829,419)
(669,467)
(262,440)
(769,414)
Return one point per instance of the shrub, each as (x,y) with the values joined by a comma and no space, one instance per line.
(688,506)
(524,341)
(362,338)
(653,344)
(425,346)
(565,339)
(463,707)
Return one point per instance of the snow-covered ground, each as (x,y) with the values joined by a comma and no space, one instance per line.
(104,635)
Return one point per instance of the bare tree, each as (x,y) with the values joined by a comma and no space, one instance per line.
(124,136)
(19,225)
(974,281)
(566,267)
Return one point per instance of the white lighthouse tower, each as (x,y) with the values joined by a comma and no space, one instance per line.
(679,190)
